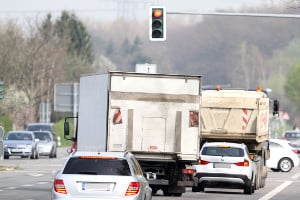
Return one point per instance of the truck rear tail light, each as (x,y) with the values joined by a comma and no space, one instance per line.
(59,186)
(188,171)
(245,163)
(202,162)
(133,189)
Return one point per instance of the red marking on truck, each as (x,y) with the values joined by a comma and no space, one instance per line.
(153,147)
(117,117)
(244,119)
(194,119)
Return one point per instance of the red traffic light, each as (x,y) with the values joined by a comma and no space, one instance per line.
(157,25)
(157,13)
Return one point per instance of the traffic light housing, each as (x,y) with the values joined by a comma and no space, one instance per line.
(157,25)
(1,90)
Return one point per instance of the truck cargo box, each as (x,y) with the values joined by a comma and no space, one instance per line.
(153,115)
(237,115)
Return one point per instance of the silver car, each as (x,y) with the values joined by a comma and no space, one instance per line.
(20,143)
(101,175)
(46,145)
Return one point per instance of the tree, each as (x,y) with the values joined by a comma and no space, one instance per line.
(292,86)
(79,41)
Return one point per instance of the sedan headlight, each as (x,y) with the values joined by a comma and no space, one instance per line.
(28,146)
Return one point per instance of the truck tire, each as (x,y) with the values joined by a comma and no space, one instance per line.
(198,188)
(285,164)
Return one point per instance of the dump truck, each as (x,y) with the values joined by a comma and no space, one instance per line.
(154,116)
(241,116)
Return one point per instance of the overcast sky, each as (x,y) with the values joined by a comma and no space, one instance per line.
(111,9)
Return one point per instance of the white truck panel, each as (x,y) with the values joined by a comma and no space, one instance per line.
(149,84)
(92,123)
(146,113)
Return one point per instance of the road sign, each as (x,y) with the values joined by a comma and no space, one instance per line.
(66,97)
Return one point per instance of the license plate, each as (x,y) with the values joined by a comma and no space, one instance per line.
(95,186)
(222,165)
(16,150)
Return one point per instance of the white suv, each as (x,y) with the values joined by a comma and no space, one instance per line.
(221,163)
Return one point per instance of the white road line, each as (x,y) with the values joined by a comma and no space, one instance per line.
(276,190)
(26,185)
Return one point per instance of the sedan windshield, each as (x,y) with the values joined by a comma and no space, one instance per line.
(19,136)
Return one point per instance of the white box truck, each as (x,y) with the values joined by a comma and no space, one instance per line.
(154,116)
(240,116)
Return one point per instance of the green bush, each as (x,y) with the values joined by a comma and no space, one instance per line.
(6,123)
(59,130)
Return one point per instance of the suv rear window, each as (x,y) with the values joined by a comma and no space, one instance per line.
(95,166)
(221,151)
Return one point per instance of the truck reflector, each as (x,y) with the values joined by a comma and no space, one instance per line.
(194,119)
(117,117)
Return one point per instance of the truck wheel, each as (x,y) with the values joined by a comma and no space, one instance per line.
(285,165)
(198,188)
(177,194)
(6,157)
(166,193)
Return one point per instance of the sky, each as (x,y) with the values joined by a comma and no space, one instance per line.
(112,9)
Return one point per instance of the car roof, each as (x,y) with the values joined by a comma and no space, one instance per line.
(231,144)
(20,131)
(38,123)
(110,154)
(279,140)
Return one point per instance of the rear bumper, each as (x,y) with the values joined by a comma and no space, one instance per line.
(222,178)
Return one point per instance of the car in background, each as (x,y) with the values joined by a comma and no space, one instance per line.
(20,143)
(41,127)
(225,163)
(294,137)
(283,157)
(46,145)
(101,175)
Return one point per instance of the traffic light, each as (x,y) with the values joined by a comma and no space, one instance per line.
(157,25)
(1,90)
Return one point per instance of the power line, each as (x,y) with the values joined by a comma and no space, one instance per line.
(238,14)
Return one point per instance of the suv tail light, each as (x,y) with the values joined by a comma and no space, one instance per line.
(202,162)
(245,163)
(295,151)
(133,189)
(59,186)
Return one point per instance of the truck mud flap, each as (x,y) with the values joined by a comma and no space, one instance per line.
(185,183)
(158,182)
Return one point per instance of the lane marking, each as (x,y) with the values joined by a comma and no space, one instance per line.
(276,190)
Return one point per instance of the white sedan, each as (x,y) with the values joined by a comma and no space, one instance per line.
(283,157)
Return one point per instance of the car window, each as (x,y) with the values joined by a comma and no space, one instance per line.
(292,135)
(95,166)
(43,136)
(19,136)
(275,145)
(220,151)
(39,127)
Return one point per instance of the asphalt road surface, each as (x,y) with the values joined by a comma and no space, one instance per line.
(26,179)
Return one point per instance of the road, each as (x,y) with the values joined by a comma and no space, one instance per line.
(32,180)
